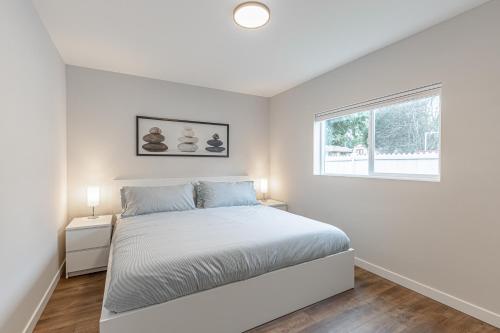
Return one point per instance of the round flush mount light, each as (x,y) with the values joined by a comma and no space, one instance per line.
(251,15)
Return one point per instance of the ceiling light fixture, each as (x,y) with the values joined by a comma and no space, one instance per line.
(251,15)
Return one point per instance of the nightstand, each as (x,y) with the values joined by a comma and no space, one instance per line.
(275,204)
(87,245)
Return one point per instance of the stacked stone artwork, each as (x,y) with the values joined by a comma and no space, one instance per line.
(154,141)
(188,141)
(215,144)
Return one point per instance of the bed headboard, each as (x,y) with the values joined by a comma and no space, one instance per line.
(117,184)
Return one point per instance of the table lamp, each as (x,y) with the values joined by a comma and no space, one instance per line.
(93,196)
(264,188)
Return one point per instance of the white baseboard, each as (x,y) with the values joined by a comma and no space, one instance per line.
(475,311)
(30,326)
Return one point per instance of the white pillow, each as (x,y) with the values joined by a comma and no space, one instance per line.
(146,200)
(224,194)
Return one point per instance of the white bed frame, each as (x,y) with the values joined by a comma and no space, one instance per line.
(238,306)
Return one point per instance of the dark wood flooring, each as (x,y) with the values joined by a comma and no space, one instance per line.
(374,305)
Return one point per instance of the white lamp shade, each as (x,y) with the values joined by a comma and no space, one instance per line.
(93,196)
(263,186)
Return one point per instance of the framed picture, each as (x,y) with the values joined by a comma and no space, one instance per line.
(175,137)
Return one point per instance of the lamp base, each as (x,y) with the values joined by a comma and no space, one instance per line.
(93,217)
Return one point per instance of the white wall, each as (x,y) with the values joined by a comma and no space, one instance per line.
(445,235)
(32,163)
(101,131)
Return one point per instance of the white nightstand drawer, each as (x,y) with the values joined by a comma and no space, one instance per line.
(81,239)
(87,259)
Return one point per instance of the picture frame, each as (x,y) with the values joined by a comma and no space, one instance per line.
(157,136)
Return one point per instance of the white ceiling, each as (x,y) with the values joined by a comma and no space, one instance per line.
(196,41)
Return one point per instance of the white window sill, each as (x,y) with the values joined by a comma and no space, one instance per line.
(418,178)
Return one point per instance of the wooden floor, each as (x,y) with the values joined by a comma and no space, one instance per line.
(374,305)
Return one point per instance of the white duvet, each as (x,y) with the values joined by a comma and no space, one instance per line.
(163,256)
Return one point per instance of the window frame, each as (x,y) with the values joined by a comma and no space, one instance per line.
(370,106)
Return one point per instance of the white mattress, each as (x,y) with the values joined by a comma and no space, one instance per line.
(163,256)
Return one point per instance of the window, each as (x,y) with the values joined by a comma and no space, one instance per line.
(393,137)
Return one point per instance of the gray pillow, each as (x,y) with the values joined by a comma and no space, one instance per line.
(146,200)
(223,194)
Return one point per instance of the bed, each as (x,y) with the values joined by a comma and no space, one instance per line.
(225,269)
